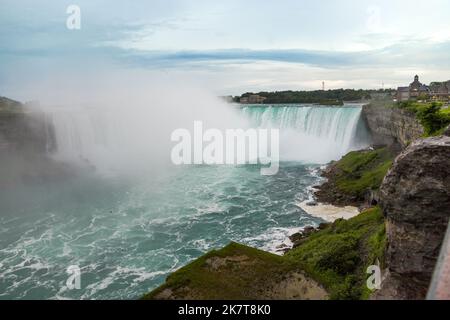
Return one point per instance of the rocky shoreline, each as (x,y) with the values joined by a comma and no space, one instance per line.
(327,212)
(355,179)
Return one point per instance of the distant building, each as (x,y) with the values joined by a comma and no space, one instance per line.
(252,99)
(416,88)
(413,91)
(440,91)
(402,93)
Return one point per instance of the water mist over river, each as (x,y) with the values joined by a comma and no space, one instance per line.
(128,217)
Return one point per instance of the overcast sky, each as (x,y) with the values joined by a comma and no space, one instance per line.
(228,47)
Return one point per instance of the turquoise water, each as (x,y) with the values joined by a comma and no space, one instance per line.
(128,234)
(127,238)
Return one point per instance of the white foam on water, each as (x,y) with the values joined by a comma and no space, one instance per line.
(329,212)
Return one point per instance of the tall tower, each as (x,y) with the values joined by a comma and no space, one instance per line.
(323,85)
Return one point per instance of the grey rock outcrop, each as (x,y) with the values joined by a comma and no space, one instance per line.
(27,140)
(415,197)
(391,126)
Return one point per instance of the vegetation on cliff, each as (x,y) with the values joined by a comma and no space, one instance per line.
(354,176)
(335,257)
(234,272)
(432,116)
(338,256)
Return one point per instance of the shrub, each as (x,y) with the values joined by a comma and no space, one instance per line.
(432,119)
(362,171)
(341,255)
(431,115)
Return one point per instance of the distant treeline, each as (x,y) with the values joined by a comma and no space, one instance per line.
(317,96)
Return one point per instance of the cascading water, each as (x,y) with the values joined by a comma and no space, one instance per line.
(92,138)
(311,134)
(315,134)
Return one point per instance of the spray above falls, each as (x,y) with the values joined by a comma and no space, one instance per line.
(110,138)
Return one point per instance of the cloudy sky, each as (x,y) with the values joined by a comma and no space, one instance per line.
(228,47)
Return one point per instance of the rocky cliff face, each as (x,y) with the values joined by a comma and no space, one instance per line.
(23,130)
(26,141)
(415,197)
(391,126)
(26,132)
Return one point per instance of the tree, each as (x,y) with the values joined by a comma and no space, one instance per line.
(423,96)
(431,119)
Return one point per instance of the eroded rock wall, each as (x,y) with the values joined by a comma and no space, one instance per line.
(391,126)
(415,197)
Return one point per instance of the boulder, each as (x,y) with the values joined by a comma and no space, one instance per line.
(415,198)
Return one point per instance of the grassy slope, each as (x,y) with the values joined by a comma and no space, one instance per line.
(336,257)
(350,178)
(362,170)
(234,281)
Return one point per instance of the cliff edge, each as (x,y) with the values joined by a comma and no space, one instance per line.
(391,126)
(415,198)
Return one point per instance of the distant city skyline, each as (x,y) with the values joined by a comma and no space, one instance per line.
(225,47)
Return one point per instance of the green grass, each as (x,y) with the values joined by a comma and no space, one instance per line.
(233,281)
(359,171)
(337,257)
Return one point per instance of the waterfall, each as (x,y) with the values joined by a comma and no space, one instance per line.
(116,139)
(85,137)
(110,140)
(309,133)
